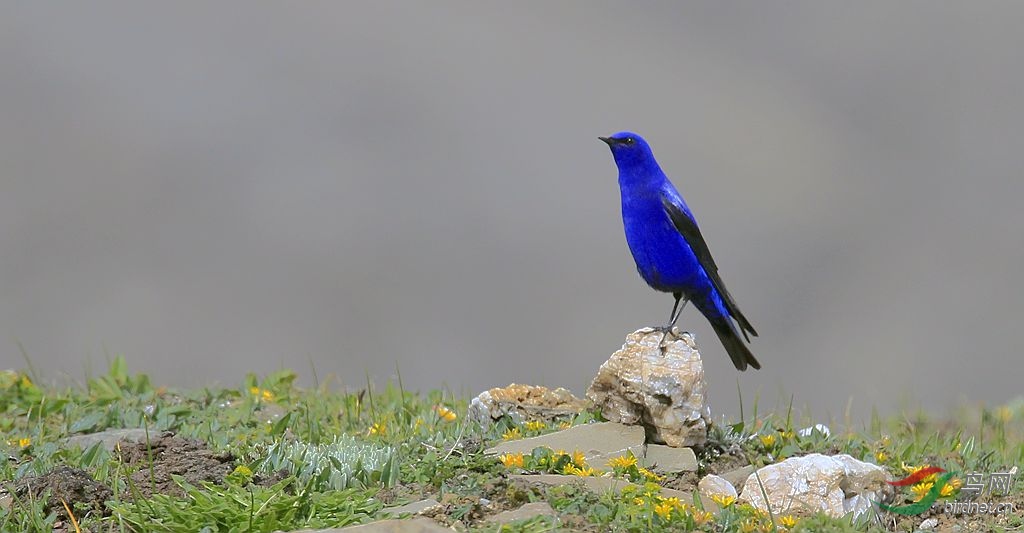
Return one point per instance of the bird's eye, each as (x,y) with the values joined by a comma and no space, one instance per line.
(629,140)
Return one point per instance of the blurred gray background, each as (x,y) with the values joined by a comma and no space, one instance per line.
(211,190)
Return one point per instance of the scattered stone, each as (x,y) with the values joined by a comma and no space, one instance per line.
(738,476)
(661,388)
(713,485)
(605,439)
(523,403)
(835,485)
(661,458)
(820,428)
(929,524)
(6,501)
(525,512)
(65,483)
(419,507)
(416,525)
(167,455)
(593,484)
(109,438)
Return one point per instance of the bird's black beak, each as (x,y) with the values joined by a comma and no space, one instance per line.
(608,140)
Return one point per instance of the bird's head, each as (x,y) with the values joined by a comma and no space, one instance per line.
(629,149)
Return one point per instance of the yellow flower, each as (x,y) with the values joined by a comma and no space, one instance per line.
(921,489)
(564,425)
(622,461)
(723,501)
(263,394)
(881,456)
(535,425)
(701,517)
(572,470)
(243,471)
(930,478)
(663,510)
(377,429)
(886,441)
(445,413)
(578,458)
(511,434)
(418,424)
(638,501)
(787,521)
(950,487)
(749,525)
(651,476)
(767,440)
(512,459)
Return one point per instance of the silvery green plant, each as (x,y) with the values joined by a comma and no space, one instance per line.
(340,464)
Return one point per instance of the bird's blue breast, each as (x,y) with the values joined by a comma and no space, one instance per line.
(662,256)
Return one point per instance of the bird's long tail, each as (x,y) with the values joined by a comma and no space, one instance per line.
(738,351)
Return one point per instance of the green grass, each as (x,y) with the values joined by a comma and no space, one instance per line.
(321,457)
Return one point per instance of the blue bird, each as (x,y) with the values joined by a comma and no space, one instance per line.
(669,251)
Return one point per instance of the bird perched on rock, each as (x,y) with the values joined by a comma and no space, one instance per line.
(669,251)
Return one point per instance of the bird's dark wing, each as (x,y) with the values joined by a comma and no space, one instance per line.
(689,230)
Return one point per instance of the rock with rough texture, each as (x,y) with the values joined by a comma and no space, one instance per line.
(526,512)
(522,403)
(712,485)
(594,440)
(661,388)
(836,485)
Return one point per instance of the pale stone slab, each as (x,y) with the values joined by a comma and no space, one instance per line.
(416,525)
(413,507)
(593,440)
(668,459)
(109,438)
(527,511)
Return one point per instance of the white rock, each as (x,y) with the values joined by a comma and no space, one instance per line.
(929,523)
(836,485)
(661,388)
(808,431)
(712,485)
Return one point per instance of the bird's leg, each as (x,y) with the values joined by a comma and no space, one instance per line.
(674,316)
